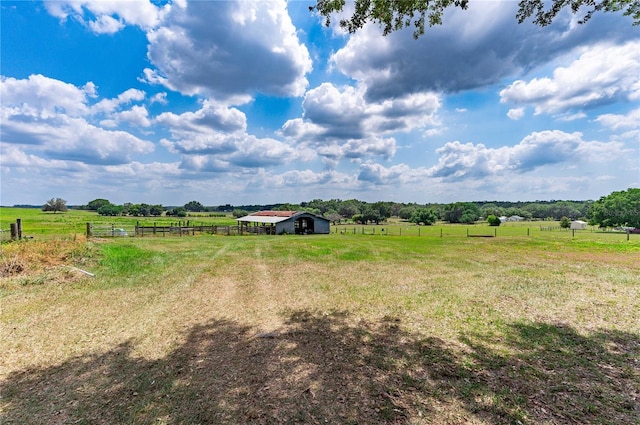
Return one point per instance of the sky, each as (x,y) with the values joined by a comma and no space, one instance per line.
(258,102)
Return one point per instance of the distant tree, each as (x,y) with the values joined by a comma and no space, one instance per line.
(491,209)
(111,210)
(348,209)
(397,14)
(385,209)
(96,204)
(177,212)
(288,207)
(133,209)
(55,205)
(359,218)
(493,220)
(140,210)
(375,213)
(156,210)
(461,212)
(405,213)
(565,222)
(239,213)
(425,216)
(194,206)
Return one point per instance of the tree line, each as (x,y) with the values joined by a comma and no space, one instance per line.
(620,208)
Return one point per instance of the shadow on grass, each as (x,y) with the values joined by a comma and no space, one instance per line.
(323,369)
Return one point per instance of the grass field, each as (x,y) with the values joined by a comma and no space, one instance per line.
(341,328)
(37,223)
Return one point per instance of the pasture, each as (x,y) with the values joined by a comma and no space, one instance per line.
(342,328)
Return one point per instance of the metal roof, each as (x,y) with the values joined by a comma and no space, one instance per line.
(262,219)
(268,217)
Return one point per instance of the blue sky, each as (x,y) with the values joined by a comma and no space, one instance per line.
(257,102)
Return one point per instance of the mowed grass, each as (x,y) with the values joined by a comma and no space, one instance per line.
(338,328)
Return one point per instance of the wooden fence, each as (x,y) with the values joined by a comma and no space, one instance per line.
(178,229)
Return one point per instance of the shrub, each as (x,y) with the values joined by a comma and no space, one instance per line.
(493,220)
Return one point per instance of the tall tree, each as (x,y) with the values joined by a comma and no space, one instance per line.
(393,15)
(617,209)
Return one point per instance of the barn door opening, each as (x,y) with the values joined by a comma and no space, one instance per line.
(304,226)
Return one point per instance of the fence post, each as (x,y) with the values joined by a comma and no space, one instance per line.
(19,225)
(441,232)
(495,232)
(14,231)
(527,231)
(89,230)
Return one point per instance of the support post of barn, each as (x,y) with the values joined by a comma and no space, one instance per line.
(89,230)
(19,226)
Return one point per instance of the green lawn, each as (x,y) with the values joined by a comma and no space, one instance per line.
(338,328)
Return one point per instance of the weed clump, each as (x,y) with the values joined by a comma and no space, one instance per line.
(35,261)
(10,265)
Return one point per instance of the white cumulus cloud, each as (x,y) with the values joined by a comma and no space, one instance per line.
(604,73)
(228,50)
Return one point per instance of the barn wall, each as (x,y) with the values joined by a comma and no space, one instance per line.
(287,226)
(322,226)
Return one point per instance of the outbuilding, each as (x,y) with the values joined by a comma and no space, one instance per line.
(279,222)
(578,225)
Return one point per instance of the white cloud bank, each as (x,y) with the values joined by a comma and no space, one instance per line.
(51,117)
